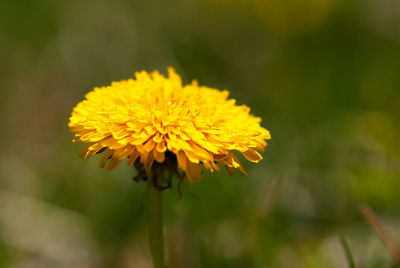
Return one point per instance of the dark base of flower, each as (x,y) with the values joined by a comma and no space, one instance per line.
(161,173)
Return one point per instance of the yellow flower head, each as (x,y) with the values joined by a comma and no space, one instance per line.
(154,115)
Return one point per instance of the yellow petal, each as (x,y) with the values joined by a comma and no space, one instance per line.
(158,138)
(147,160)
(93,149)
(105,157)
(192,156)
(193,171)
(148,147)
(180,156)
(85,150)
(158,156)
(161,147)
(229,169)
(132,158)
(114,163)
(252,155)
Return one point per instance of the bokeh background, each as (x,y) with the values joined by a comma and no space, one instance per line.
(323,75)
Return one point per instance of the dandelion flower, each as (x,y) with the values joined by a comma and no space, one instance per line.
(152,117)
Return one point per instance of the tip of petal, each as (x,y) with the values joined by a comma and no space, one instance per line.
(252,155)
(193,171)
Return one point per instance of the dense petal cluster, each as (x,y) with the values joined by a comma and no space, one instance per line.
(141,119)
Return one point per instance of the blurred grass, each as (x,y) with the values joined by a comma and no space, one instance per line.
(323,75)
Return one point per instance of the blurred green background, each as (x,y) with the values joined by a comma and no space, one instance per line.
(323,75)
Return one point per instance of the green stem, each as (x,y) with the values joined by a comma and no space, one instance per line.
(347,251)
(156,237)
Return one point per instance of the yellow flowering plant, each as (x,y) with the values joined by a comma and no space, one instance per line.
(161,126)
